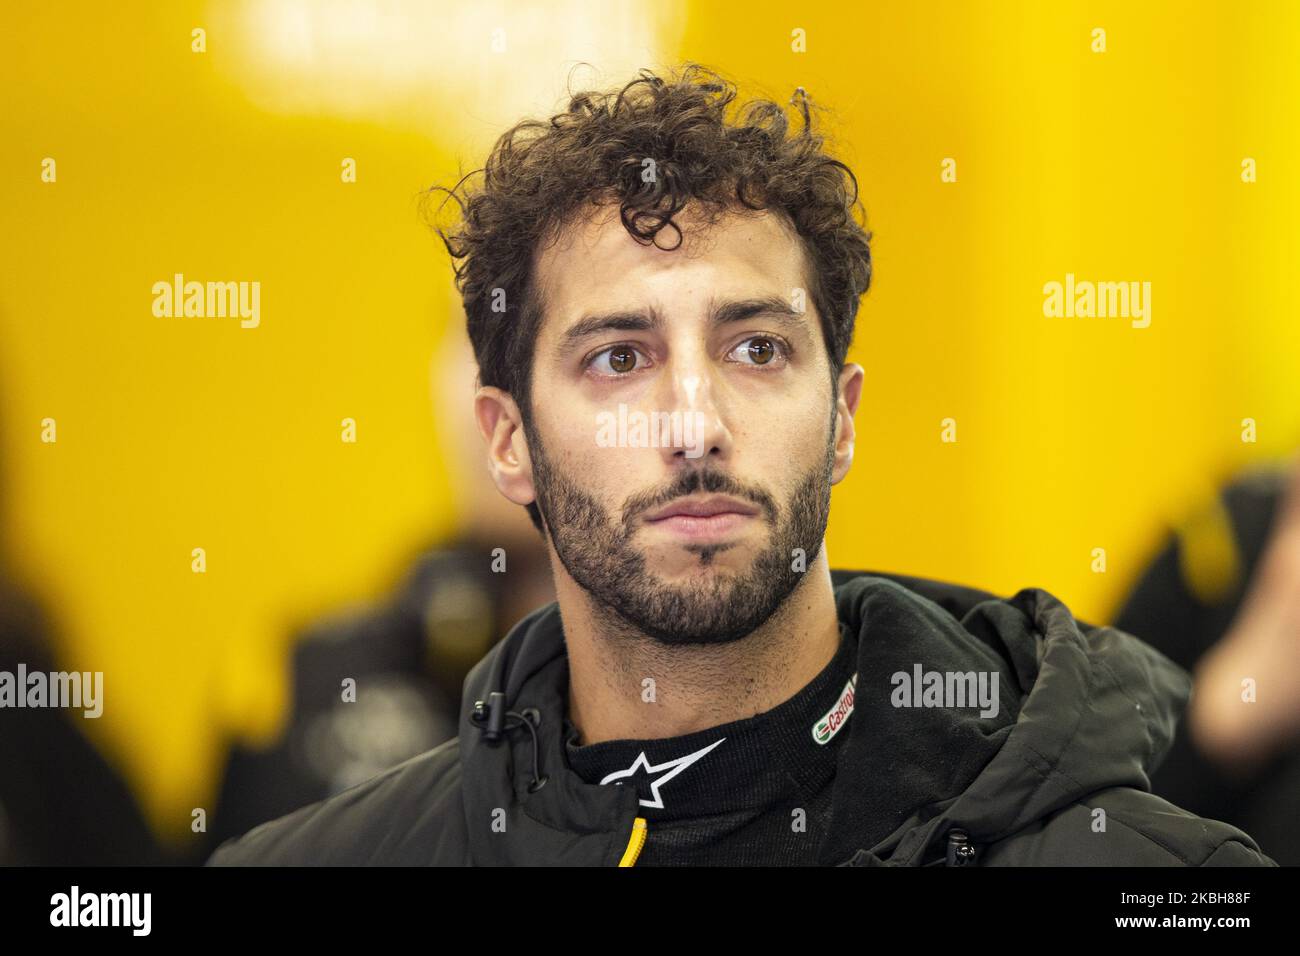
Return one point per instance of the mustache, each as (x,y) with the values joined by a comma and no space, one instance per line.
(711,481)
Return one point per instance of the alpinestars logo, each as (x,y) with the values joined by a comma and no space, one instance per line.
(669,769)
(834,719)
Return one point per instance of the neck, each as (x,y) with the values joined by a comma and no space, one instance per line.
(693,687)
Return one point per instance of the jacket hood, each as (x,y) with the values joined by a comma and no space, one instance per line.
(1082,709)
(1078,709)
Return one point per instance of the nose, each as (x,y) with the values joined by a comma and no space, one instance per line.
(692,396)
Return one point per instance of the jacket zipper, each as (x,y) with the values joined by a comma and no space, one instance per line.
(635,843)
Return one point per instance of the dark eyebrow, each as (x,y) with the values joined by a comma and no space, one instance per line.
(626,321)
(643,320)
(773,305)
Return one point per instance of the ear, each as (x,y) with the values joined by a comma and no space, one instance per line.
(502,429)
(849,392)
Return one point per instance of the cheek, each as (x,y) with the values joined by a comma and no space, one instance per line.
(607,473)
(622,472)
(785,438)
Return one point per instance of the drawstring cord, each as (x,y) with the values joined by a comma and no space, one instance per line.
(494,720)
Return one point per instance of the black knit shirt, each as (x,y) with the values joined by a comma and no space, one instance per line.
(753,792)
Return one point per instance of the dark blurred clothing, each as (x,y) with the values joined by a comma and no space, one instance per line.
(61,803)
(409,658)
(1184,603)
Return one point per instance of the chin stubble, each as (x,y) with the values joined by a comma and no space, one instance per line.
(599,553)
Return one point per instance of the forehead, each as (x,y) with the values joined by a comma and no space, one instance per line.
(595,262)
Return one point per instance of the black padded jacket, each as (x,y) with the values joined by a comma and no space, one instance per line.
(1059,776)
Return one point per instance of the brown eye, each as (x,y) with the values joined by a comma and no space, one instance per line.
(622,360)
(761,351)
(618,360)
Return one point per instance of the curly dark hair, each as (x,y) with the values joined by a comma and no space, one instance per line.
(540,173)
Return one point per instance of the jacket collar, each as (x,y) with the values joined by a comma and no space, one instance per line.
(1080,709)
(566,821)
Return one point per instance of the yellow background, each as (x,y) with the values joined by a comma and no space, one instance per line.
(1073,434)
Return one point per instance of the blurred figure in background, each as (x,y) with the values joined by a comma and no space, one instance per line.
(1222,599)
(410,656)
(61,803)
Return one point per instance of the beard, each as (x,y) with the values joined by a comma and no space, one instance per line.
(598,552)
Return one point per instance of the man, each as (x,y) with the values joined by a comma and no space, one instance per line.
(1220,601)
(703,691)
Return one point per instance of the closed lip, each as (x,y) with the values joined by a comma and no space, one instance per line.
(703,507)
